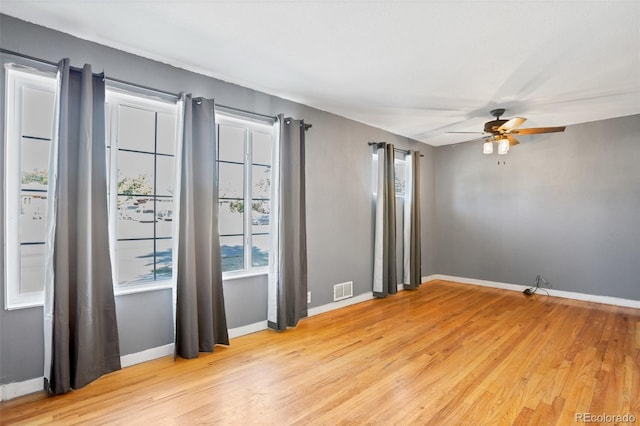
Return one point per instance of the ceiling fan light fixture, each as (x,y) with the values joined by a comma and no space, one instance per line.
(502,131)
(503,146)
(487,148)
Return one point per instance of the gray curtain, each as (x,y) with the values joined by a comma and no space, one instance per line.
(288,253)
(200,315)
(413,271)
(384,270)
(81,333)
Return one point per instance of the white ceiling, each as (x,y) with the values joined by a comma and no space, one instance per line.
(416,68)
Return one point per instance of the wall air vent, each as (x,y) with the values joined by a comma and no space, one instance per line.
(342,291)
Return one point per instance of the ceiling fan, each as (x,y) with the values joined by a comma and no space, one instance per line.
(502,132)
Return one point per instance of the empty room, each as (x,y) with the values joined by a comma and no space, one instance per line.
(320,212)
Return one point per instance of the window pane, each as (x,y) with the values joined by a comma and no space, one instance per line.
(127,206)
(262,145)
(400,177)
(374,173)
(108,161)
(135,261)
(165,180)
(231,216)
(37,113)
(166,134)
(135,173)
(164,259)
(136,217)
(261,181)
(107,115)
(260,250)
(164,217)
(260,210)
(35,164)
(232,249)
(33,216)
(231,143)
(137,129)
(231,180)
(32,258)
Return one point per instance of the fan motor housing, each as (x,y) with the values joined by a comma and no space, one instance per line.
(492,126)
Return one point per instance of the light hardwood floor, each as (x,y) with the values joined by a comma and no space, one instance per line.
(445,354)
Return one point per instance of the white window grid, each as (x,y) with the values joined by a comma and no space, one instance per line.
(249,127)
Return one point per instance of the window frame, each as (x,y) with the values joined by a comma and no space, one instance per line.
(16,80)
(114,98)
(249,125)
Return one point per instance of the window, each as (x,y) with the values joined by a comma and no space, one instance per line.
(28,128)
(400,170)
(244,179)
(399,167)
(141,136)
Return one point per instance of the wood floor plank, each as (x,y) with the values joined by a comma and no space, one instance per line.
(447,353)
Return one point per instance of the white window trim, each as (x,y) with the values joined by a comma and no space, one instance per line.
(15,80)
(261,126)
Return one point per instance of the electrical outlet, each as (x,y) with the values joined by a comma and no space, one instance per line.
(308,297)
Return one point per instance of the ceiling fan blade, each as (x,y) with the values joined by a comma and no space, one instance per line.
(512,141)
(512,124)
(536,130)
(483,139)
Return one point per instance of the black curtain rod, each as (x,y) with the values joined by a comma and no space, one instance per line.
(139,86)
(404,151)
(250,113)
(31,58)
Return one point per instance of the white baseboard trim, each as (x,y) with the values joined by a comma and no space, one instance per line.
(608,300)
(340,304)
(263,325)
(16,389)
(357,299)
(248,329)
(429,278)
(146,355)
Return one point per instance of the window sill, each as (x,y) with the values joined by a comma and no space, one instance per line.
(14,306)
(231,276)
(142,288)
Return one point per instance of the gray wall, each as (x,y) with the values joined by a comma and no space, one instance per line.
(339,214)
(565,206)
